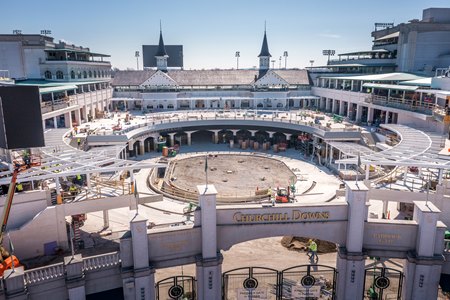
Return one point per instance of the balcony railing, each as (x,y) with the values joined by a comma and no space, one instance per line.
(405,104)
(62,103)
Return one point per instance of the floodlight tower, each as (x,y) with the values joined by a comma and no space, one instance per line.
(328,53)
(285,54)
(237,55)
(136,54)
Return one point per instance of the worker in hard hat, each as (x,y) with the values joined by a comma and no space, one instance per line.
(19,187)
(312,251)
(73,190)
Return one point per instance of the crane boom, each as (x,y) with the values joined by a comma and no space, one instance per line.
(8,203)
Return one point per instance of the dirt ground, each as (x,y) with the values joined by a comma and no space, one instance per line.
(227,172)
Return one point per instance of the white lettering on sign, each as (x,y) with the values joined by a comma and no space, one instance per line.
(258,293)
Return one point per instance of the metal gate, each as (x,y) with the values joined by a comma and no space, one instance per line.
(176,288)
(250,283)
(300,282)
(383,283)
(308,282)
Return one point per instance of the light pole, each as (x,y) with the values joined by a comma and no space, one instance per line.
(311,62)
(136,54)
(237,55)
(279,65)
(285,54)
(273,64)
(328,53)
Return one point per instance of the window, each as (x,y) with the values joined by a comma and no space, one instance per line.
(160,106)
(95,74)
(90,74)
(84,74)
(79,74)
(59,75)
(48,75)
(72,74)
(170,106)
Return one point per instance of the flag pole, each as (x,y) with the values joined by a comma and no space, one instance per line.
(206,169)
(358,163)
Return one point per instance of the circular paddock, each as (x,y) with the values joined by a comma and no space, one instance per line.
(241,177)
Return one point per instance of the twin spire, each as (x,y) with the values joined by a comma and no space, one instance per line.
(161,55)
(161,47)
(265,46)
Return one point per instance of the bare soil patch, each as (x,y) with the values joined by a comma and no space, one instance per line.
(231,174)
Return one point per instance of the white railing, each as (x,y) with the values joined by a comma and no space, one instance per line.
(44,273)
(101,261)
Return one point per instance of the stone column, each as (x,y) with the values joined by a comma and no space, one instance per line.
(209,265)
(234,131)
(351,260)
(216,135)
(172,138)
(189,136)
(423,267)
(68,120)
(55,122)
(141,147)
(78,116)
(333,106)
(75,279)
(369,114)
(328,104)
(253,132)
(144,278)
(105,219)
(341,107)
(386,118)
(359,108)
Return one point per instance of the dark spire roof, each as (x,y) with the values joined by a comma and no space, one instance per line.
(265,47)
(161,48)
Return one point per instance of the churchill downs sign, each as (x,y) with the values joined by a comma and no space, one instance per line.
(295,215)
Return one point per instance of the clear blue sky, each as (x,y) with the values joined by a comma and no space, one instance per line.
(211,31)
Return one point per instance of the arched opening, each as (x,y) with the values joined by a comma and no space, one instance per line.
(48,75)
(72,74)
(202,136)
(149,144)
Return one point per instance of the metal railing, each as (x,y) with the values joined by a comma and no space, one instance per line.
(49,106)
(99,190)
(404,104)
(294,117)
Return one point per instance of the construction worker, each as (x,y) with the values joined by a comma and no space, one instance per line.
(312,251)
(26,159)
(79,179)
(269,194)
(78,142)
(19,187)
(73,190)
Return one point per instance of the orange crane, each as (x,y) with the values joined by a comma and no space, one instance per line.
(7,260)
